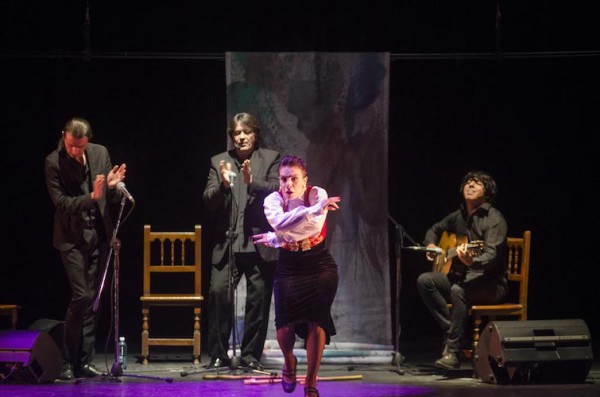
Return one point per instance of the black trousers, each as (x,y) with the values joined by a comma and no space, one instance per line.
(437,291)
(81,265)
(259,289)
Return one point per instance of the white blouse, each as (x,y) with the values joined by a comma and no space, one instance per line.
(299,222)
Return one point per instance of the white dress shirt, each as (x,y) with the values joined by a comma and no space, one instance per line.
(299,221)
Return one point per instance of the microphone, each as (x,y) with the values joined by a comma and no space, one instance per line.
(232,176)
(435,250)
(123,189)
(237,145)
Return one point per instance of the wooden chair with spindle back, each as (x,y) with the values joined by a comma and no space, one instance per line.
(519,249)
(176,253)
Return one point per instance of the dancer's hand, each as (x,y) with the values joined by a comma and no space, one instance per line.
(331,204)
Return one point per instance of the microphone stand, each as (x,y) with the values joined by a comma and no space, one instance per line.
(234,364)
(397,357)
(116,370)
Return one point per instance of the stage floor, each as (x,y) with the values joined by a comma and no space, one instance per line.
(170,375)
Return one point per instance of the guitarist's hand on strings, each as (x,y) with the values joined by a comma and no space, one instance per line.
(465,255)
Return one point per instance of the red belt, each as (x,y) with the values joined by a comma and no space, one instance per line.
(304,244)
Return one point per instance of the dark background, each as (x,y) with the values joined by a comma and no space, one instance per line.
(516,96)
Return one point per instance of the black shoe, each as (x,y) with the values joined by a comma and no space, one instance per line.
(88,371)
(251,364)
(218,362)
(448,361)
(66,372)
(289,373)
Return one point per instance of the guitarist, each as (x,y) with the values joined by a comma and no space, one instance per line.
(483,281)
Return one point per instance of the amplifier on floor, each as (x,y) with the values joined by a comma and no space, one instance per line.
(29,357)
(54,328)
(537,351)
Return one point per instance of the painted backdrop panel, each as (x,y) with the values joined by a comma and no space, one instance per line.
(332,110)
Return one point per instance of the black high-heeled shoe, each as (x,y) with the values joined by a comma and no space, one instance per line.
(310,390)
(289,387)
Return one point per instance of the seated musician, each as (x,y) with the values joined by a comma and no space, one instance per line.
(471,276)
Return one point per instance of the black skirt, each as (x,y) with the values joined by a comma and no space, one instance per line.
(305,286)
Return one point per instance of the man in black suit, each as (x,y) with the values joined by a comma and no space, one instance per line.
(241,178)
(81,182)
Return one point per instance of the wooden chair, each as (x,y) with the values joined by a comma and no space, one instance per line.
(177,253)
(11,311)
(518,276)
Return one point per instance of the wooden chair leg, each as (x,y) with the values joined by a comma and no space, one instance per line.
(145,335)
(476,333)
(196,346)
(12,312)
(13,318)
(476,330)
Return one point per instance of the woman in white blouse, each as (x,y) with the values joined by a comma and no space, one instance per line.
(306,278)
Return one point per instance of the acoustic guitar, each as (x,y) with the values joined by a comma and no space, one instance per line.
(448,244)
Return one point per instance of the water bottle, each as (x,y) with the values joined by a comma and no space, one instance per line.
(122,352)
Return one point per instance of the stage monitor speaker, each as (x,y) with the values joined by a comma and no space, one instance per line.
(29,356)
(54,328)
(533,352)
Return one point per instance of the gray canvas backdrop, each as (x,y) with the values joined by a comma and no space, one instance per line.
(331,109)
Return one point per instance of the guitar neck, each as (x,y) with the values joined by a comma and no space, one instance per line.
(451,252)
